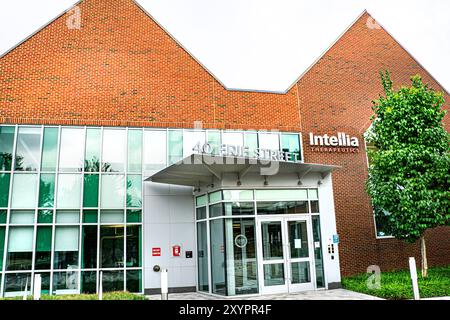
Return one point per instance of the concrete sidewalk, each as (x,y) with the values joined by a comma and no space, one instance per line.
(336,294)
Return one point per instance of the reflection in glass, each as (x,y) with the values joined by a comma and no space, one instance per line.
(134,216)
(274,274)
(22,217)
(134,150)
(92,156)
(28,149)
(191,139)
(242,275)
(6,147)
(134,191)
(154,150)
(4,189)
(134,280)
(2,245)
(111,216)
(89,247)
(16,282)
(113,156)
(47,190)
(239,208)
(320,277)
(217,257)
(90,191)
(202,256)
(90,216)
(88,282)
(251,141)
(269,141)
(272,242)
(45,282)
(113,191)
(213,139)
(175,140)
(111,246)
(112,281)
(134,244)
(3,214)
(20,248)
(291,143)
(201,213)
(216,210)
(71,150)
(69,191)
(68,216)
(300,272)
(43,248)
(45,216)
(49,149)
(66,247)
(298,239)
(282,207)
(24,191)
(233,138)
(314,206)
(65,282)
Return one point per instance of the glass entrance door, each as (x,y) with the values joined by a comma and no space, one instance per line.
(286,254)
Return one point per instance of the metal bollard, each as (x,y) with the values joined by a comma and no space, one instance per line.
(164,285)
(413,273)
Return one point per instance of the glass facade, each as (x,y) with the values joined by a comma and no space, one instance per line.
(226,219)
(71,203)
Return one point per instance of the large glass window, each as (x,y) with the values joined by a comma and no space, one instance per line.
(111,247)
(28,149)
(47,190)
(242,274)
(65,282)
(71,149)
(69,191)
(175,141)
(6,147)
(134,244)
(320,277)
(92,156)
(134,191)
(20,248)
(4,189)
(90,191)
(113,191)
(113,281)
(269,141)
(21,217)
(214,140)
(251,141)
(202,256)
(134,280)
(155,150)
(191,138)
(2,245)
(113,156)
(134,150)
(89,247)
(233,138)
(291,143)
(218,279)
(49,149)
(24,191)
(66,247)
(43,248)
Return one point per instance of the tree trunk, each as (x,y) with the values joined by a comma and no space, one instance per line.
(423,251)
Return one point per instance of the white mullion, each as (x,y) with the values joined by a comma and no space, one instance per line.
(208,248)
(8,212)
(80,221)
(52,254)
(97,278)
(142,214)
(38,189)
(125,212)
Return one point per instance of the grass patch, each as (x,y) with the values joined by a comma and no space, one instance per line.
(397,284)
(119,295)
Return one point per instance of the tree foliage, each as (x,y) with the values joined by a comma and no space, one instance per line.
(409,175)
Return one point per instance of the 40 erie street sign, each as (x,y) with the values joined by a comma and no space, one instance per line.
(340,143)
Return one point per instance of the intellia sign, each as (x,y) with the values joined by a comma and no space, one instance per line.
(341,142)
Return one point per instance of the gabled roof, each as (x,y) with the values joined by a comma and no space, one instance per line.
(198,61)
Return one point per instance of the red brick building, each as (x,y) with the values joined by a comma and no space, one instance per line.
(121,69)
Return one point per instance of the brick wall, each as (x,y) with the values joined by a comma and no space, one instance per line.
(122,69)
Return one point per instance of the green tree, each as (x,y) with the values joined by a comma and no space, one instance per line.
(409,175)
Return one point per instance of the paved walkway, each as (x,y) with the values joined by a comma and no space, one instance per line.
(336,294)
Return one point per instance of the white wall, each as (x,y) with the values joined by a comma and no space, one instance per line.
(169,220)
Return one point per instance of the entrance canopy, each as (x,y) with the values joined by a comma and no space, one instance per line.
(199,168)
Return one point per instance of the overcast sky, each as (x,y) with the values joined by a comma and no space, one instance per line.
(265,44)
